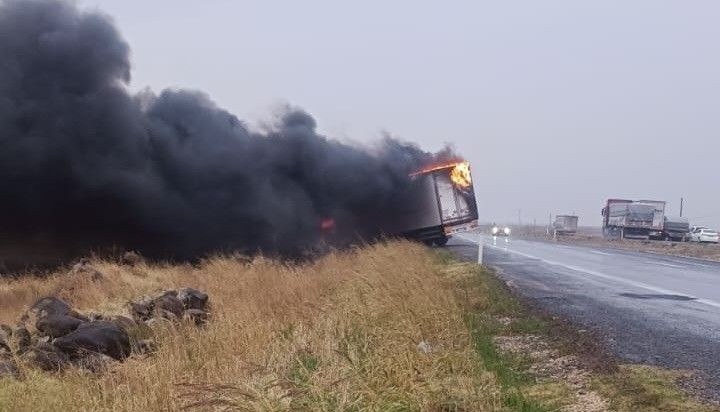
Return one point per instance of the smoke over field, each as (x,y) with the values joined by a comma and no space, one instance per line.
(168,173)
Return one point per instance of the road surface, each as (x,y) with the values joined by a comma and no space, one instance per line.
(652,309)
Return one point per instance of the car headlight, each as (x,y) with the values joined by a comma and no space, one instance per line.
(495,230)
(506,230)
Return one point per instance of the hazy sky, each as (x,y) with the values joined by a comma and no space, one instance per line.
(557,104)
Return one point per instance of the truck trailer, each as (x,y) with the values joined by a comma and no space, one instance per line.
(633,219)
(565,224)
(439,202)
(676,229)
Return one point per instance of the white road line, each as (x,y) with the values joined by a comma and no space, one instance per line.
(597,252)
(636,284)
(670,265)
(691,263)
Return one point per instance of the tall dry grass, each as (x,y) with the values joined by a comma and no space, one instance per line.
(341,333)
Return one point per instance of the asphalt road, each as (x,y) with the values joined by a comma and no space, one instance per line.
(651,309)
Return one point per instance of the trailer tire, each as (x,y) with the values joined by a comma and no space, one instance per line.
(441,241)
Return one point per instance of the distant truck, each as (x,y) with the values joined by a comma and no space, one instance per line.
(633,219)
(565,224)
(676,229)
(440,202)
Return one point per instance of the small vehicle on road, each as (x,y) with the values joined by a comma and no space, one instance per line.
(704,235)
(496,230)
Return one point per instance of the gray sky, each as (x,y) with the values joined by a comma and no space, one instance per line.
(557,104)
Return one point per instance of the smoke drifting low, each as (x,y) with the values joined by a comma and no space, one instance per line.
(168,173)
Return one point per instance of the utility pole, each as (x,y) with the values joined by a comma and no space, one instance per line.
(547,232)
(681,205)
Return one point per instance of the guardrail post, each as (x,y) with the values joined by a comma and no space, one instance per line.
(480,251)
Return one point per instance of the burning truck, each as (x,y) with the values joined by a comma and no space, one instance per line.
(438,202)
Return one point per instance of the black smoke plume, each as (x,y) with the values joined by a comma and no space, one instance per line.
(84,160)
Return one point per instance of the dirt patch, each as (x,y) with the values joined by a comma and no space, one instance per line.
(550,363)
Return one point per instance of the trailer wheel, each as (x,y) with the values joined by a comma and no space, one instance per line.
(441,241)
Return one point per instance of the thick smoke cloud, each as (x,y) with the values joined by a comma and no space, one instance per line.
(168,173)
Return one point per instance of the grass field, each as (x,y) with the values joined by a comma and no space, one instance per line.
(592,236)
(393,326)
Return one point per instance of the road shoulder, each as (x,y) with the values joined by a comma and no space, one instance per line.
(543,358)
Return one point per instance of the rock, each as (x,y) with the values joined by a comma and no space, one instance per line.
(56,326)
(160,322)
(169,292)
(166,314)
(22,339)
(199,317)
(146,346)
(78,315)
(45,307)
(172,305)
(83,267)
(46,357)
(94,316)
(8,369)
(5,332)
(5,336)
(167,304)
(425,347)
(102,337)
(192,298)
(124,322)
(142,309)
(131,258)
(95,362)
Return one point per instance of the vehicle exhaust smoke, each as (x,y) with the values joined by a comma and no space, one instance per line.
(169,174)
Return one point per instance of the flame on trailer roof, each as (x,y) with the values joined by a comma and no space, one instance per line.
(459,172)
(437,166)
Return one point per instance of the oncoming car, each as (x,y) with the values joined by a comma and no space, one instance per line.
(500,231)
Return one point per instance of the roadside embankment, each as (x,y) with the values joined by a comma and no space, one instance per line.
(392,326)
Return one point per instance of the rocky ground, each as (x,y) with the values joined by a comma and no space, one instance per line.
(51,335)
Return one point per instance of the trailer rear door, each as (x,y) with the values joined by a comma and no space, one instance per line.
(454,205)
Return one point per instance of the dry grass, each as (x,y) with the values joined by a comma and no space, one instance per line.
(341,333)
(645,388)
(337,334)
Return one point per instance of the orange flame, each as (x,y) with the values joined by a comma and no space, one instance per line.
(459,172)
(460,175)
